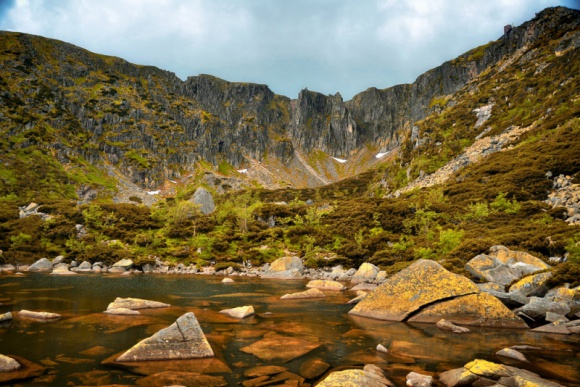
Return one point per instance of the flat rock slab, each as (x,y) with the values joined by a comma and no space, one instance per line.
(186,379)
(183,339)
(279,348)
(310,293)
(480,309)
(313,368)
(421,283)
(264,371)
(38,315)
(208,365)
(122,311)
(326,285)
(239,312)
(27,370)
(135,303)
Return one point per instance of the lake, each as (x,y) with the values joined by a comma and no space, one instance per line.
(73,347)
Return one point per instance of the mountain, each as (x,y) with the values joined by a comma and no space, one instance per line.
(79,124)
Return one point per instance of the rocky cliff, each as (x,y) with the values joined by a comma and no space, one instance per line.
(76,114)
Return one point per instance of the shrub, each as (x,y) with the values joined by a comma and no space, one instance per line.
(502,204)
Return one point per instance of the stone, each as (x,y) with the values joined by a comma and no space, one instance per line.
(264,371)
(124,263)
(367,272)
(512,354)
(8,364)
(227,281)
(85,266)
(326,285)
(534,285)
(58,259)
(491,287)
(364,286)
(381,348)
(313,368)
(183,339)
(310,293)
(38,315)
(204,199)
(415,379)
(62,269)
(381,276)
(121,311)
(420,284)
(449,326)
(43,265)
(457,377)
(479,309)
(5,316)
(135,303)
(285,268)
(239,312)
(280,348)
(27,370)
(367,377)
(185,379)
(553,317)
(538,307)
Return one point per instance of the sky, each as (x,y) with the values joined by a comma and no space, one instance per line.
(327,46)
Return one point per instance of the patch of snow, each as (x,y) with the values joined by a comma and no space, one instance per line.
(242,170)
(342,161)
(153,192)
(381,154)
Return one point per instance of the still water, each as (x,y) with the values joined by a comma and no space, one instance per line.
(74,347)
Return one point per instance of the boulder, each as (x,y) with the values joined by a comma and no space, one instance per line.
(479,309)
(38,315)
(183,339)
(449,326)
(121,311)
(124,264)
(326,285)
(369,376)
(135,303)
(415,379)
(367,272)
(85,266)
(289,267)
(310,293)
(534,285)
(538,307)
(43,265)
(239,312)
(5,316)
(504,266)
(512,354)
(204,200)
(8,364)
(422,283)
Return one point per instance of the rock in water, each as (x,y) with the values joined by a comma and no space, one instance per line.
(183,339)
(135,303)
(449,326)
(415,379)
(310,293)
(367,272)
(38,315)
(5,316)
(8,364)
(239,312)
(286,268)
(203,198)
(43,265)
(326,285)
(422,283)
(370,376)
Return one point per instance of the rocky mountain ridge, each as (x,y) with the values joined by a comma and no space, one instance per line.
(83,114)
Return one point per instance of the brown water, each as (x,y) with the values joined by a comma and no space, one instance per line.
(73,347)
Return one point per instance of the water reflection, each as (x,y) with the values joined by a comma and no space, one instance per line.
(286,333)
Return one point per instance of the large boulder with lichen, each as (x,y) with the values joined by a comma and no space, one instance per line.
(183,339)
(420,284)
(427,292)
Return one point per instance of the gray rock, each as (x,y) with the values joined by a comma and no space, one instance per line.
(553,317)
(534,285)
(512,354)
(85,266)
(43,265)
(415,379)
(38,315)
(57,260)
(124,263)
(538,307)
(367,272)
(135,303)
(203,198)
(239,312)
(289,267)
(8,364)
(5,316)
(183,339)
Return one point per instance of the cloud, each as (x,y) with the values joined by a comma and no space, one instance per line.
(325,45)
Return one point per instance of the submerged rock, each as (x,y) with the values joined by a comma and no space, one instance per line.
(185,379)
(239,312)
(135,303)
(422,283)
(278,348)
(183,339)
(310,293)
(121,311)
(313,368)
(38,315)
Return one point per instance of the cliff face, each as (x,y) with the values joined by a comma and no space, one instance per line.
(85,110)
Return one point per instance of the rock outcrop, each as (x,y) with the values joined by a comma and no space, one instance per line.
(183,339)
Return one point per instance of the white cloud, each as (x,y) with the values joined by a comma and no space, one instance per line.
(324,45)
